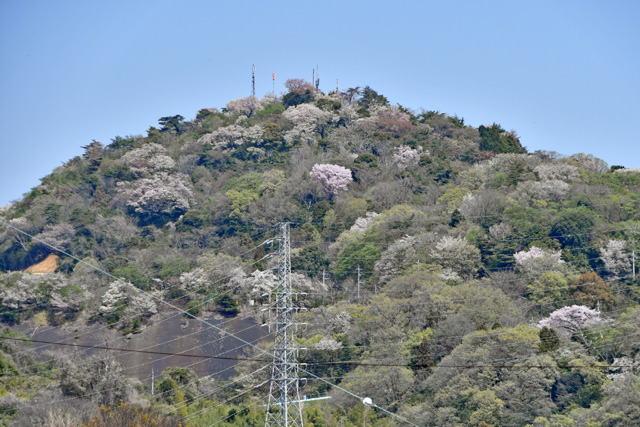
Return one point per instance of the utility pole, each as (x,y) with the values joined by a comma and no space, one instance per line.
(274,83)
(284,408)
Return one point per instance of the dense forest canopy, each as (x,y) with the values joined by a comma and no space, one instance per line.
(449,275)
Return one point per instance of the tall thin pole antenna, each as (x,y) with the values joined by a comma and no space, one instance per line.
(274,83)
(317,81)
(359,269)
(284,408)
(253,80)
(337,88)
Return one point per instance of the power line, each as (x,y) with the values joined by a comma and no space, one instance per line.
(314,363)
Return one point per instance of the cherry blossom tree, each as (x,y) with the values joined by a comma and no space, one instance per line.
(363,223)
(616,258)
(333,177)
(159,194)
(406,157)
(149,158)
(457,256)
(536,261)
(58,235)
(535,252)
(307,119)
(573,318)
(244,106)
(557,170)
(229,137)
(299,86)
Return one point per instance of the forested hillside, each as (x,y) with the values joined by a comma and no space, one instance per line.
(448,274)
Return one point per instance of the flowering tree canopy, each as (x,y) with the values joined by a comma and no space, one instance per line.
(523,257)
(573,317)
(333,177)
(148,158)
(162,193)
(616,258)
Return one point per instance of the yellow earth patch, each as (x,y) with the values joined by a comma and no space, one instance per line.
(48,265)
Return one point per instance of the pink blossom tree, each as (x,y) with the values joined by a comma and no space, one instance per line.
(573,318)
(333,177)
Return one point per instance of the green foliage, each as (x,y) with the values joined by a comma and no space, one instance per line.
(573,227)
(496,139)
(370,97)
(136,274)
(407,312)
(171,124)
(271,110)
(328,104)
(549,291)
(367,159)
(120,143)
(359,254)
(227,305)
(294,98)
(549,340)
(311,260)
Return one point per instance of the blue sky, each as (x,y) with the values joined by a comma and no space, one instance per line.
(563,74)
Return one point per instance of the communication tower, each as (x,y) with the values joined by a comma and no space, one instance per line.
(253,81)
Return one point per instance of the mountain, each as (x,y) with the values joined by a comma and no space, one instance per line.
(448,274)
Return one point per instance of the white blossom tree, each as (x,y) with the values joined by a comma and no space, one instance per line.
(616,258)
(457,257)
(118,300)
(149,158)
(328,344)
(58,235)
(229,137)
(623,367)
(160,194)
(557,171)
(363,223)
(114,298)
(21,291)
(531,192)
(244,106)
(332,177)
(535,252)
(395,257)
(142,305)
(573,318)
(406,157)
(192,281)
(308,120)
(536,261)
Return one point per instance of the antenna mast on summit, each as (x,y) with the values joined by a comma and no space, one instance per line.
(253,81)
(317,80)
(274,83)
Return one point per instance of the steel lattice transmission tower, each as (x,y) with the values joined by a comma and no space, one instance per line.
(284,408)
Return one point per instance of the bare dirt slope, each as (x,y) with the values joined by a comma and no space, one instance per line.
(48,265)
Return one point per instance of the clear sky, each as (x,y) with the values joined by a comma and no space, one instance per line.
(564,74)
